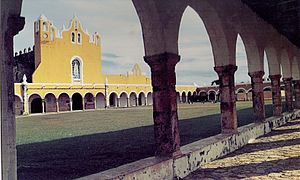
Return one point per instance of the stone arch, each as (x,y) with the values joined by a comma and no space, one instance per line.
(149,98)
(35,104)
(183,96)
(123,99)
(77,102)
(113,99)
(64,102)
(222,39)
(142,99)
(50,103)
(212,95)
(100,100)
(133,99)
(18,105)
(89,101)
(273,58)
(286,64)
(241,94)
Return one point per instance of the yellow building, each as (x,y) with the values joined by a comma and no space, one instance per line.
(68,76)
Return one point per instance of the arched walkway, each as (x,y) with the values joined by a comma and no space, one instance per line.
(18,105)
(190,98)
(64,102)
(100,101)
(149,99)
(142,99)
(77,102)
(50,103)
(89,102)
(133,99)
(35,102)
(123,100)
(113,99)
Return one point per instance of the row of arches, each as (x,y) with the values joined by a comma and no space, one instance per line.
(62,103)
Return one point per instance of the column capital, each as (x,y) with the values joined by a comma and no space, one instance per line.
(256,74)
(275,77)
(157,61)
(287,79)
(225,70)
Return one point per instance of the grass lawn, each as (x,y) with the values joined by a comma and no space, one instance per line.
(70,145)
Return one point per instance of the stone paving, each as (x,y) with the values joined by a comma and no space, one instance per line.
(274,156)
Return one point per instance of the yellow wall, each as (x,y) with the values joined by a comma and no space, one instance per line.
(53,56)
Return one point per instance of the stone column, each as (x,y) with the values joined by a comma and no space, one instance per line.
(166,132)
(258,95)
(137,102)
(118,102)
(25,98)
(10,26)
(71,105)
(43,106)
(128,102)
(276,94)
(297,93)
(228,102)
(288,93)
(57,105)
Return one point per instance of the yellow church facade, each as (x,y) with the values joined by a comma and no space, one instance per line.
(68,75)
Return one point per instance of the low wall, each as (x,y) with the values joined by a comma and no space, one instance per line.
(193,155)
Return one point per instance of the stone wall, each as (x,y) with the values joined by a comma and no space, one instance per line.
(194,155)
(23,64)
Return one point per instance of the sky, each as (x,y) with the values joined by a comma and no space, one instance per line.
(122,44)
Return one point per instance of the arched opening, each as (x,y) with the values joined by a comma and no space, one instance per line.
(18,105)
(149,99)
(100,101)
(89,101)
(212,96)
(36,105)
(142,99)
(249,95)
(178,97)
(268,93)
(203,96)
(241,95)
(133,99)
(241,75)
(77,102)
(64,102)
(50,103)
(123,100)
(113,99)
(183,96)
(190,97)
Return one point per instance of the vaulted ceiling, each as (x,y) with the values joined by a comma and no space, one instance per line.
(284,15)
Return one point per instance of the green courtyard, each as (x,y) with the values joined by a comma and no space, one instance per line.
(70,145)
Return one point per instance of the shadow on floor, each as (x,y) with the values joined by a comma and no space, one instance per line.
(80,156)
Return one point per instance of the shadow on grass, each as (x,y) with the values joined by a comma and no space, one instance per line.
(80,156)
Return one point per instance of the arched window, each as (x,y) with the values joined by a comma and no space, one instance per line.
(76,69)
(45,26)
(79,38)
(73,37)
(52,35)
